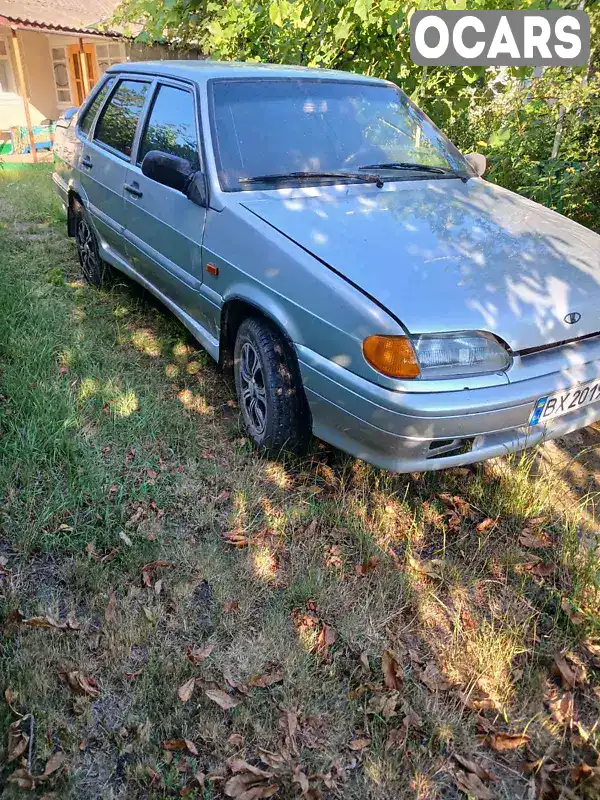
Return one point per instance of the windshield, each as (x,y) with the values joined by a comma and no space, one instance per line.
(269,127)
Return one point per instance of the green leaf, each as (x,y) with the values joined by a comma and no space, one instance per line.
(362,9)
(275,14)
(342,30)
(214,28)
(470,75)
(498,138)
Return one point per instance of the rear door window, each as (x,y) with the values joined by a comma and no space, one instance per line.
(171,126)
(119,118)
(89,115)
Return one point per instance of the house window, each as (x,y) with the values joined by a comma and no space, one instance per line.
(60,68)
(107,55)
(6,79)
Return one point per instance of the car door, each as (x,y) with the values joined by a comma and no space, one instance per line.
(165,228)
(106,154)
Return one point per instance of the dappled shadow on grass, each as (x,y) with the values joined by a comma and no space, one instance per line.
(313,566)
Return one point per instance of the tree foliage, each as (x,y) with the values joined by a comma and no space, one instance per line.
(508,114)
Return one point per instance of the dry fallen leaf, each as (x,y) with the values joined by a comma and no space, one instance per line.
(110,612)
(581,772)
(23,778)
(148,570)
(17,741)
(236,740)
(539,568)
(479,702)
(576,617)
(507,741)
(12,620)
(327,636)
(248,782)
(368,565)
(360,743)
(592,651)
(534,539)
(433,678)
(186,690)
(179,744)
(236,538)
(197,656)
(248,787)
(11,698)
(266,679)
(232,605)
(53,764)
(80,684)
(239,765)
(301,779)
(570,677)
(486,524)
(392,674)
(472,785)
(562,708)
(48,621)
(455,503)
(472,766)
(221,698)
(288,722)
(433,568)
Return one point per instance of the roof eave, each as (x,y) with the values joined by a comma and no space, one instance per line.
(26,24)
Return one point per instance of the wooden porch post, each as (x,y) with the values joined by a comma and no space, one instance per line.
(23,92)
(85,75)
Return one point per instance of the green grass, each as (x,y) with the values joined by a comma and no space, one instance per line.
(120,445)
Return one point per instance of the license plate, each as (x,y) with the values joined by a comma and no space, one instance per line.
(563,402)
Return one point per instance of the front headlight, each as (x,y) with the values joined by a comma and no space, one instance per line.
(436,355)
(449,355)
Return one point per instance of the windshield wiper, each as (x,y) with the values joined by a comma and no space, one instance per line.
(284,176)
(406,165)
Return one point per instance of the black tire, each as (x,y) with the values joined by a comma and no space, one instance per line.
(269,390)
(95,271)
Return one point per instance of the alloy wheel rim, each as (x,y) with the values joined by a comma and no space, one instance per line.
(85,244)
(253,392)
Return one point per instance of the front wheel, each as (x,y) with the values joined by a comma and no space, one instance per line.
(269,389)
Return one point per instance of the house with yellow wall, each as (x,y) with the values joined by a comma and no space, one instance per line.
(52,52)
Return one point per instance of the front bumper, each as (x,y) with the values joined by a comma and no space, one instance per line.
(421,431)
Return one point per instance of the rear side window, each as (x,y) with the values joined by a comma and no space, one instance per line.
(119,117)
(89,115)
(171,126)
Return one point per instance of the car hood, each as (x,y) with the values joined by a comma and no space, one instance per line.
(443,255)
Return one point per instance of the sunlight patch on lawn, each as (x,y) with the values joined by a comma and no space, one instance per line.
(194,402)
(144,340)
(122,403)
(264,564)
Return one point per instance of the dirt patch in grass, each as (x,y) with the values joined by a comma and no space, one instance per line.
(182,617)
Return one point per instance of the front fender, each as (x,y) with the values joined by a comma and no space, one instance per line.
(267,303)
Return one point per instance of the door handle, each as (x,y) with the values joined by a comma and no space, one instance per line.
(86,161)
(133,189)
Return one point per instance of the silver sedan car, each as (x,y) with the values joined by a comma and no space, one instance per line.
(315,230)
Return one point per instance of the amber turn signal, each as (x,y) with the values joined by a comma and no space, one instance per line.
(392,355)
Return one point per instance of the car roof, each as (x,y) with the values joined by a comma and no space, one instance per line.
(200,71)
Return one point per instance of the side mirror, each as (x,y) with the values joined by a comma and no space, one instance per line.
(477,162)
(177,173)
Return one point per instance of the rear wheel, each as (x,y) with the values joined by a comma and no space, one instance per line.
(94,269)
(269,389)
